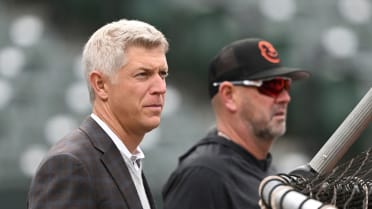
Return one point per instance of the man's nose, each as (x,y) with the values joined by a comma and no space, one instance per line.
(159,86)
(284,96)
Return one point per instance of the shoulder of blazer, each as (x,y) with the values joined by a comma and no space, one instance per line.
(96,134)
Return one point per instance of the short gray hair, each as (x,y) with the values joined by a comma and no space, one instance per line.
(105,49)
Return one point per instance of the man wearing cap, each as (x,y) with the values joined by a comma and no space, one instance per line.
(249,91)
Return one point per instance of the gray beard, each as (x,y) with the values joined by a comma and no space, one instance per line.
(268,134)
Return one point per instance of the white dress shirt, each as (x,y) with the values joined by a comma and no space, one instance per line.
(132,160)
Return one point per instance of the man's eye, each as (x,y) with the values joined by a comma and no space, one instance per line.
(164,74)
(142,74)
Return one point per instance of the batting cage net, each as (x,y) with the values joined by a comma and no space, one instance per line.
(322,183)
(349,185)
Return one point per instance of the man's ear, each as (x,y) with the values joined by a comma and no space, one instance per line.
(98,82)
(228,93)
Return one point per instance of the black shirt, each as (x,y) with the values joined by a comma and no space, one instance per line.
(216,173)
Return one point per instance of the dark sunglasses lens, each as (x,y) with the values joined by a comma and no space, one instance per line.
(274,87)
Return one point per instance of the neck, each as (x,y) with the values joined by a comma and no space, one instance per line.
(129,138)
(258,147)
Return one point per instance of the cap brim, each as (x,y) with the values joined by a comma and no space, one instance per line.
(293,73)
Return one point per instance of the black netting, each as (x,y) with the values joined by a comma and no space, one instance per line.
(349,185)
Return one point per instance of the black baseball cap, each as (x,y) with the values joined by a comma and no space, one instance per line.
(249,59)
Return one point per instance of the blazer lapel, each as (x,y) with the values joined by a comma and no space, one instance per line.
(121,176)
(113,161)
(148,192)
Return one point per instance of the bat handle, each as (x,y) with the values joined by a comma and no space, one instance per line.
(344,136)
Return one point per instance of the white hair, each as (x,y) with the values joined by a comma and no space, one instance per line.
(105,49)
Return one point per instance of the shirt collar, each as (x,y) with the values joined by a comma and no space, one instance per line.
(264,164)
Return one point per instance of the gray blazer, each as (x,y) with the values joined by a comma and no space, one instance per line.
(84,170)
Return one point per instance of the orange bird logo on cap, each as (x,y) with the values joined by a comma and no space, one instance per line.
(268,52)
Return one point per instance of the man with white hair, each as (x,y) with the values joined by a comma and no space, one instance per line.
(99,165)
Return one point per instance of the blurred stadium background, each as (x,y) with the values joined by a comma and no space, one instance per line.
(43,95)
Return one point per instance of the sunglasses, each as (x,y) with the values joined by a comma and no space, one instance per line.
(270,87)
